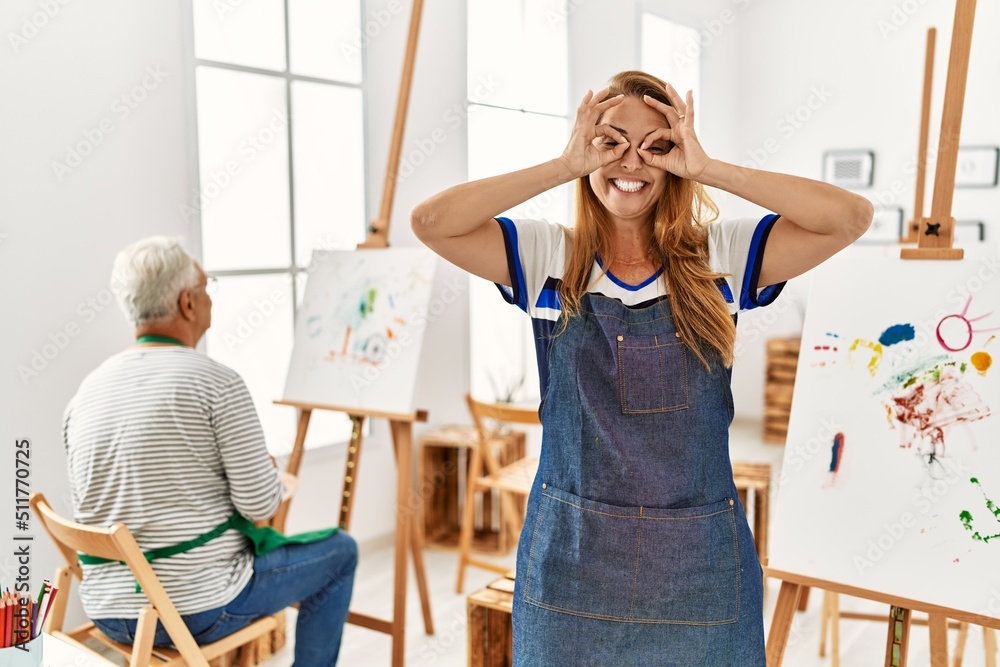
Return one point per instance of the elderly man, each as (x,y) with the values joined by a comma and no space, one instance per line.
(165,440)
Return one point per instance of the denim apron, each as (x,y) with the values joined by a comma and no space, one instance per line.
(635,548)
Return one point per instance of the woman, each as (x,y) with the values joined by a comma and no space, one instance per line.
(634,550)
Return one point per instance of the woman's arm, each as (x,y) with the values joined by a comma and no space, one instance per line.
(818,220)
(457,223)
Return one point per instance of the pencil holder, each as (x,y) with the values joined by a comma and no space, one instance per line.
(28,654)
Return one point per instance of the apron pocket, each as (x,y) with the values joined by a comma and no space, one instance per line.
(688,566)
(634,564)
(582,556)
(652,374)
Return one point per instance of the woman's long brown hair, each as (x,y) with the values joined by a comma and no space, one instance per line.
(679,240)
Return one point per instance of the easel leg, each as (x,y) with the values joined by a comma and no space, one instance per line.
(824,623)
(804,599)
(898,638)
(834,629)
(939,640)
(781,623)
(990,644)
(294,462)
(420,570)
(963,635)
(401,439)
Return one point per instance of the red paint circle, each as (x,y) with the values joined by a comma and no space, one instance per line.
(968,326)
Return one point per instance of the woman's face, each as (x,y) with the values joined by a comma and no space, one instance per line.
(629,188)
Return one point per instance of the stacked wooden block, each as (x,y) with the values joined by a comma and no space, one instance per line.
(442,471)
(755,477)
(490,630)
(259,651)
(782,362)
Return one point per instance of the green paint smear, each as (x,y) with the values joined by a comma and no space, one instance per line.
(368,302)
(926,370)
(965,516)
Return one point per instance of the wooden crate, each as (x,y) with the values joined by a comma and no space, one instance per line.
(491,635)
(755,477)
(262,649)
(442,471)
(782,362)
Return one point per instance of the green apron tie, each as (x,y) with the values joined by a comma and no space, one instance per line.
(265,540)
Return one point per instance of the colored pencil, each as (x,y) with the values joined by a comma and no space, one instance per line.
(34,609)
(3,620)
(7,617)
(53,591)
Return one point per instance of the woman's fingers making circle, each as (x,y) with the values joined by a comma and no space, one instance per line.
(669,112)
(609,131)
(676,100)
(655,147)
(606,104)
(689,114)
(589,147)
(611,142)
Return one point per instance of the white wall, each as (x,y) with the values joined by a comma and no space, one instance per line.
(869,59)
(61,236)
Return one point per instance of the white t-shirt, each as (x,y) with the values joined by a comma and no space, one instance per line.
(167,442)
(537,256)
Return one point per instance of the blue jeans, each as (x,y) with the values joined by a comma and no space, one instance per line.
(319,576)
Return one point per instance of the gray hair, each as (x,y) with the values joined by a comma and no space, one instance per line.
(148,277)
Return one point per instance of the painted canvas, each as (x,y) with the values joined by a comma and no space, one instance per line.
(360,328)
(891,474)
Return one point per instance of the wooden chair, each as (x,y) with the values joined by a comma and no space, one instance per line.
(117,543)
(486,473)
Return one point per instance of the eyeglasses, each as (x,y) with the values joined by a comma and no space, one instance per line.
(211,285)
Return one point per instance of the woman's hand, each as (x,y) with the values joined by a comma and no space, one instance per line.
(592,146)
(686,159)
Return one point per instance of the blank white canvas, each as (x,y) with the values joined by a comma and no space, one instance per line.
(360,328)
(890,518)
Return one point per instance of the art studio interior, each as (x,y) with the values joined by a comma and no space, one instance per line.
(496,332)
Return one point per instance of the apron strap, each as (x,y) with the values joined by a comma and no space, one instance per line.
(265,540)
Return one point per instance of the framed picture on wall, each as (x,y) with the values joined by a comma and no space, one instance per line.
(978,167)
(849,168)
(969,231)
(887,226)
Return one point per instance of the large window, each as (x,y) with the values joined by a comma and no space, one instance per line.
(517,93)
(280,116)
(672,52)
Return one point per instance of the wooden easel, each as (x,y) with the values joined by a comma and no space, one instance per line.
(938,231)
(913,227)
(934,243)
(832,614)
(899,618)
(408,538)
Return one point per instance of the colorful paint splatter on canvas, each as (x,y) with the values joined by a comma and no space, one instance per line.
(897,363)
(359,328)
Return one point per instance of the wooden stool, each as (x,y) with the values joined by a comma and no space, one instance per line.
(755,477)
(491,634)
